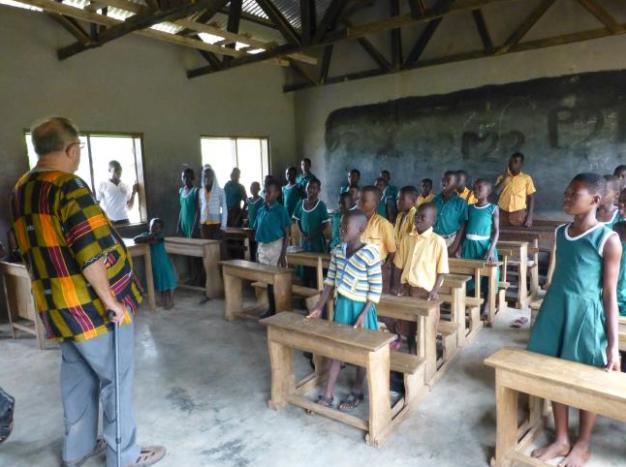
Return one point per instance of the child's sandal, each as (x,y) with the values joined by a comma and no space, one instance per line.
(325,402)
(351,402)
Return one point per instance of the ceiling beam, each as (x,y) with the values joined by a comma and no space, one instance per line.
(71,26)
(284,26)
(330,18)
(234,18)
(139,22)
(441,6)
(483,31)
(417,8)
(371,50)
(526,26)
(396,36)
(601,14)
(303,73)
(325,66)
(308,18)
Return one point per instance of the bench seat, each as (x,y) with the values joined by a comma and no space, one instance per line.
(407,363)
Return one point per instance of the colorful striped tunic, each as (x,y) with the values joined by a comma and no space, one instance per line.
(358,277)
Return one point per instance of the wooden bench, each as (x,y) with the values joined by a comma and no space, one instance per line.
(237,270)
(143,250)
(360,347)
(319,261)
(209,251)
(19,302)
(311,296)
(622,334)
(477,269)
(238,240)
(574,384)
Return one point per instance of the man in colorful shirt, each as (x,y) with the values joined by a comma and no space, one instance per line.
(80,270)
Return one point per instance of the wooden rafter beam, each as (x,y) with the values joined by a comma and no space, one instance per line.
(303,73)
(275,15)
(417,8)
(476,54)
(330,18)
(308,18)
(234,18)
(483,31)
(371,50)
(71,26)
(396,36)
(325,66)
(441,6)
(601,14)
(526,26)
(139,22)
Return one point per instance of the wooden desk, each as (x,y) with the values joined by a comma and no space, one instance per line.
(143,249)
(360,347)
(243,235)
(209,251)
(237,270)
(319,261)
(622,334)
(576,385)
(19,302)
(477,269)
(453,292)
(520,249)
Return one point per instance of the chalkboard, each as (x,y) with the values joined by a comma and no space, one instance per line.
(563,126)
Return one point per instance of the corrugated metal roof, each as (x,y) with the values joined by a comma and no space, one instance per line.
(289,8)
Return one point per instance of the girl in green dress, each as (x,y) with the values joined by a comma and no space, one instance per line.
(189,205)
(311,216)
(482,231)
(346,204)
(253,204)
(355,277)
(162,268)
(578,317)
(291,192)
(608,213)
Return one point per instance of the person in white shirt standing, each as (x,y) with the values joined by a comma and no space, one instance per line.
(115,196)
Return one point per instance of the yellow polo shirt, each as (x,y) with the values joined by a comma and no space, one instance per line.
(468,195)
(424,199)
(513,195)
(404,225)
(379,232)
(421,257)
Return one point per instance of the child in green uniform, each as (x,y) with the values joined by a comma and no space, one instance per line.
(253,203)
(354,275)
(451,213)
(608,213)
(162,267)
(346,203)
(235,194)
(482,231)
(354,177)
(305,177)
(578,317)
(291,193)
(311,215)
(620,228)
(189,214)
(387,203)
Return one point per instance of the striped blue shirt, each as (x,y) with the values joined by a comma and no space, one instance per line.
(359,277)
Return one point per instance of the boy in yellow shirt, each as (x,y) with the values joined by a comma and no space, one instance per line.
(406,213)
(516,190)
(462,189)
(378,232)
(419,265)
(427,195)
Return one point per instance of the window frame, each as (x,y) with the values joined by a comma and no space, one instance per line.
(139,164)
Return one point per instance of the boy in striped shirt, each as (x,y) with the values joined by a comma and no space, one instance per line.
(355,276)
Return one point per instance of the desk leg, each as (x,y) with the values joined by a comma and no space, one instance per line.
(211,259)
(147,261)
(283,382)
(492,296)
(506,414)
(379,399)
(522,297)
(428,339)
(282,292)
(458,315)
(232,288)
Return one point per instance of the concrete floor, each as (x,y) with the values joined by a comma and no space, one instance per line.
(201,390)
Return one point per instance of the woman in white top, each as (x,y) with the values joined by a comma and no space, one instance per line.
(213,210)
(115,196)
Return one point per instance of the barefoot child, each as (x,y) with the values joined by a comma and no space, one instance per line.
(451,213)
(253,203)
(427,195)
(162,267)
(311,215)
(419,266)
(406,213)
(272,234)
(608,213)
(578,317)
(482,232)
(189,214)
(378,232)
(346,204)
(355,277)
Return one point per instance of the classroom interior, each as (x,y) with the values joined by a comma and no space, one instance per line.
(416,87)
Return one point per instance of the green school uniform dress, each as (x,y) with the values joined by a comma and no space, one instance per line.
(163,270)
(335,228)
(271,222)
(389,195)
(188,209)
(311,222)
(356,279)
(571,322)
(253,209)
(291,196)
(344,188)
(450,214)
(478,235)
(614,220)
(302,181)
(621,283)
(234,193)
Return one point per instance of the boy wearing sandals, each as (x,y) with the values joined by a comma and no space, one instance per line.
(355,276)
